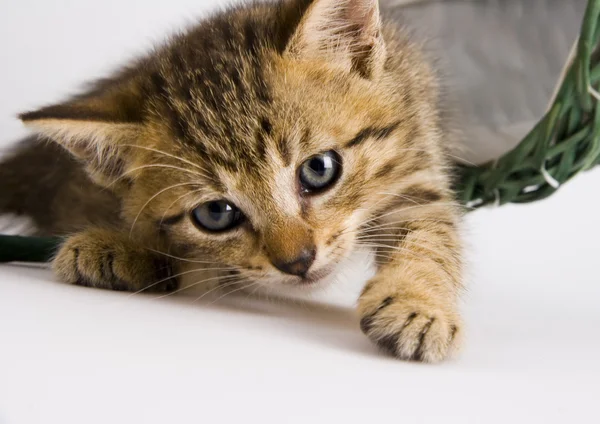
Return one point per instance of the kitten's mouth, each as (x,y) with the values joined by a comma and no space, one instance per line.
(315,277)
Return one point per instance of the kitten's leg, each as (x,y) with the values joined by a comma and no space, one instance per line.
(410,307)
(109,260)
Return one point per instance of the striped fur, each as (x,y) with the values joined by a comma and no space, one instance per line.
(230,110)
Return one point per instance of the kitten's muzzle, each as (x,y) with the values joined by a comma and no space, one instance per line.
(290,246)
(299,265)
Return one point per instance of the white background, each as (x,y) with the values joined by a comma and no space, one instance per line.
(75,355)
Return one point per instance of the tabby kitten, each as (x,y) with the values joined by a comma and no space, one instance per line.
(266,144)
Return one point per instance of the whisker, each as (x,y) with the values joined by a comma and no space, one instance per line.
(389,225)
(138,168)
(179,290)
(154,197)
(252,293)
(181,259)
(221,286)
(236,290)
(379,239)
(393,236)
(175,201)
(381,236)
(400,248)
(179,275)
(405,250)
(375,234)
(468,162)
(409,208)
(402,196)
(365,224)
(399,211)
(365,229)
(169,155)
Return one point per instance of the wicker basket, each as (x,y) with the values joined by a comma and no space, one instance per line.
(565,142)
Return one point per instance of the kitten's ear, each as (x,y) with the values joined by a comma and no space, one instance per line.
(346,32)
(93,126)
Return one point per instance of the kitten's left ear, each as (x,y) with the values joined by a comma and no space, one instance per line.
(344,32)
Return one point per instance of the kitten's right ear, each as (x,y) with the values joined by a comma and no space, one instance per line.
(346,33)
(94,126)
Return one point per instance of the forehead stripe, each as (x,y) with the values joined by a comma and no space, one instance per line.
(373,132)
(284,151)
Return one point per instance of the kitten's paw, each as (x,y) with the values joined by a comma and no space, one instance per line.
(102,259)
(409,326)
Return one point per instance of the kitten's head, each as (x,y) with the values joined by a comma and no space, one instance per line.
(262,139)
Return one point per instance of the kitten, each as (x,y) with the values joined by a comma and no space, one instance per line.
(266,144)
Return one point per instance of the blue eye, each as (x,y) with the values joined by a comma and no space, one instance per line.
(217,216)
(320,172)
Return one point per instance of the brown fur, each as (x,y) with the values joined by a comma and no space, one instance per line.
(230,110)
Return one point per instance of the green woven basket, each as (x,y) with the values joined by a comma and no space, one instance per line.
(565,142)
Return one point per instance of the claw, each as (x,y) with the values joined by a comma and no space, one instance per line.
(418,355)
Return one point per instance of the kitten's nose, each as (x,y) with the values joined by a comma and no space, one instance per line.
(298,266)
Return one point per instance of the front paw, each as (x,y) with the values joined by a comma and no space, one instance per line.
(104,260)
(410,325)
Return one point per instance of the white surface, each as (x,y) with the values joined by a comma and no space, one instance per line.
(75,355)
